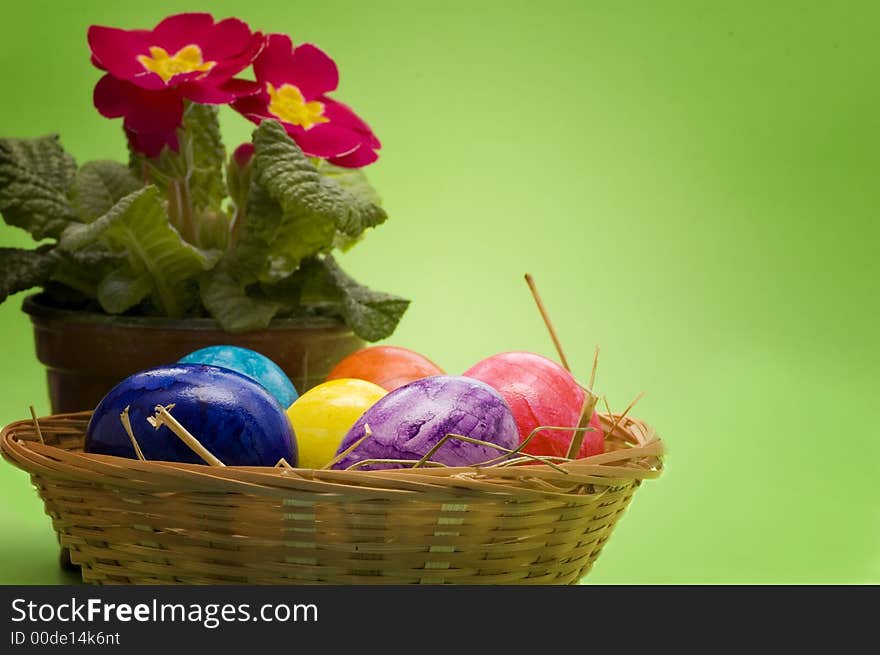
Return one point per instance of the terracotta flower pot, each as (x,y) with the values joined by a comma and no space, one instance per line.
(86,354)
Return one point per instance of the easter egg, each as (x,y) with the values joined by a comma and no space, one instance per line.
(388,366)
(324,414)
(412,419)
(540,392)
(249,363)
(233,417)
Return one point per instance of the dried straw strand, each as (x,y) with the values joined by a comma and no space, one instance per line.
(126,424)
(577,438)
(620,418)
(37,426)
(163,417)
(540,303)
(345,453)
(595,368)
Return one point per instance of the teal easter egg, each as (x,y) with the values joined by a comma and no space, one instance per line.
(251,364)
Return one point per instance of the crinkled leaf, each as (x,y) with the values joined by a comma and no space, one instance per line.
(364,203)
(34,177)
(321,287)
(307,291)
(353,180)
(205,156)
(122,289)
(356,214)
(22,269)
(294,214)
(98,186)
(373,315)
(225,296)
(300,236)
(251,250)
(314,208)
(138,225)
(303,223)
(84,269)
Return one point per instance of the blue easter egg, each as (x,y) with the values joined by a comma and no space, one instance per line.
(250,363)
(232,416)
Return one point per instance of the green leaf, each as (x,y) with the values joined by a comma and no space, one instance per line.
(353,180)
(138,225)
(84,269)
(22,269)
(224,290)
(191,178)
(98,186)
(34,177)
(293,214)
(314,208)
(372,315)
(226,297)
(251,250)
(205,156)
(212,231)
(122,289)
(300,222)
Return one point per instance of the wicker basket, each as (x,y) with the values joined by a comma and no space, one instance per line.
(134,522)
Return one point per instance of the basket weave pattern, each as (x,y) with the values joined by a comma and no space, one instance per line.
(134,522)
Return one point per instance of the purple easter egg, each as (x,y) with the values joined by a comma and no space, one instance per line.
(412,419)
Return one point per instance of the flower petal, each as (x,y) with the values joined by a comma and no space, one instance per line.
(357,159)
(181,30)
(157,111)
(117,51)
(345,134)
(253,107)
(307,67)
(144,111)
(325,139)
(313,71)
(271,66)
(228,38)
(341,114)
(233,65)
(111,97)
(242,154)
(219,95)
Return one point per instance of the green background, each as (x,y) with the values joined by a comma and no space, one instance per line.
(694,186)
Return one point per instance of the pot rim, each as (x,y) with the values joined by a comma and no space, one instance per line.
(36,306)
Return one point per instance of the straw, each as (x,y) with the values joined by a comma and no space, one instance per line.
(163,417)
(592,383)
(126,424)
(37,425)
(540,303)
(577,439)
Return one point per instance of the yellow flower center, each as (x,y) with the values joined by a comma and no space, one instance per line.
(288,104)
(186,60)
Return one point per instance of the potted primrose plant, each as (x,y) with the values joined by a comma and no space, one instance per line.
(182,246)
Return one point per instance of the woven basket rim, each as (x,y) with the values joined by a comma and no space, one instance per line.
(638,457)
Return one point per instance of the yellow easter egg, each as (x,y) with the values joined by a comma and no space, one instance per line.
(323,415)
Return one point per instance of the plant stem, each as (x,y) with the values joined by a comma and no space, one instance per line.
(180,208)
